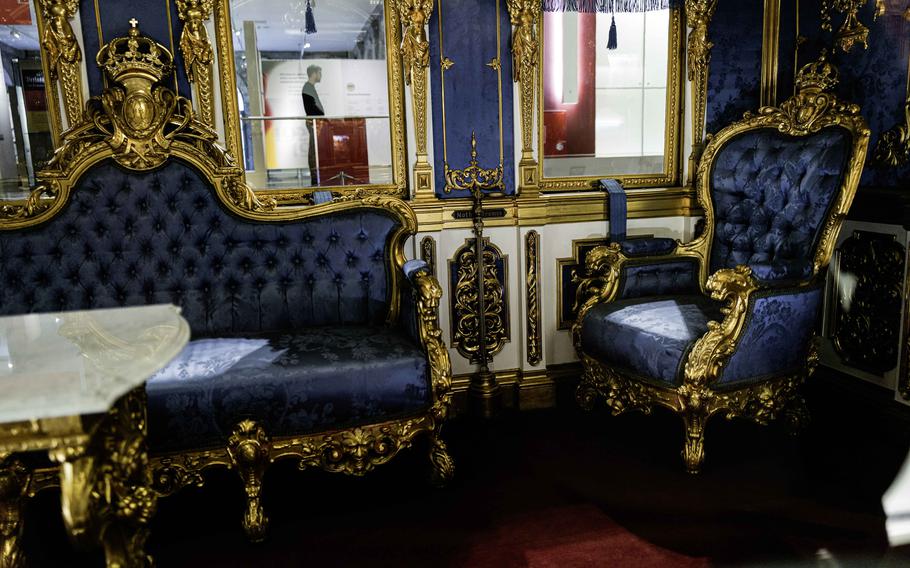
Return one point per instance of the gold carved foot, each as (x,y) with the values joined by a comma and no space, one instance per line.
(694,451)
(797,415)
(443,467)
(249,447)
(14,479)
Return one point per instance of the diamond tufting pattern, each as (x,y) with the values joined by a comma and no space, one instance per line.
(771,193)
(129,238)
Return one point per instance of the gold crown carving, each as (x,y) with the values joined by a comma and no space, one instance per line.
(135,56)
(818,75)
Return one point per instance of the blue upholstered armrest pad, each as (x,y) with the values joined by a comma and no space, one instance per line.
(413,267)
(678,276)
(776,337)
(782,271)
(648,247)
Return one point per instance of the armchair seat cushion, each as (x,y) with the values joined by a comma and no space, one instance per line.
(649,337)
(308,381)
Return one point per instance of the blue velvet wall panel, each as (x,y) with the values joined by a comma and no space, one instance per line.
(734,77)
(104,20)
(786,49)
(471,95)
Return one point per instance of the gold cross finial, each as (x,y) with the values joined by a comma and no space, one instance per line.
(134,22)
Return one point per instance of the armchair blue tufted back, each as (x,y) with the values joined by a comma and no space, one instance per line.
(128,238)
(771,194)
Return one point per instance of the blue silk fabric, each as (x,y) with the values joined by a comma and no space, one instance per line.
(771,194)
(311,295)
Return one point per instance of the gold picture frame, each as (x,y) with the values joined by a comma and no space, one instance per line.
(673,138)
(224,47)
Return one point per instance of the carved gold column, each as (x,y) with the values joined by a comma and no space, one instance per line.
(198,56)
(525,15)
(61,60)
(769,52)
(698,17)
(415,53)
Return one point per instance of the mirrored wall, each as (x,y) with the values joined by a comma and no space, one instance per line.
(313,93)
(26,142)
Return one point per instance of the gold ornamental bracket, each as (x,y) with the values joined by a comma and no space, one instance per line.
(852,32)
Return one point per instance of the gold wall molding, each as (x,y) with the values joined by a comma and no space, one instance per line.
(698,17)
(464,300)
(198,56)
(770,53)
(525,18)
(852,32)
(61,60)
(532,289)
(415,54)
(428,252)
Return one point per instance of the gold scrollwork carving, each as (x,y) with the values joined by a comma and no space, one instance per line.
(893,147)
(525,16)
(852,31)
(62,54)
(415,54)
(698,17)
(532,282)
(465,333)
(198,56)
(14,482)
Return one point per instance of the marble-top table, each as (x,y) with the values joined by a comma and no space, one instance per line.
(71,384)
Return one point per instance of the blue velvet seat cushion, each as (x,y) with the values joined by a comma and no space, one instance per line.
(312,380)
(649,337)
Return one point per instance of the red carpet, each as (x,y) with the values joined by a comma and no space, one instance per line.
(565,537)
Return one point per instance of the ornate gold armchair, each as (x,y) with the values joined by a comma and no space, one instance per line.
(654,329)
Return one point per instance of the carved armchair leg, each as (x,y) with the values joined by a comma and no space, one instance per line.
(442,466)
(14,479)
(694,451)
(589,388)
(249,448)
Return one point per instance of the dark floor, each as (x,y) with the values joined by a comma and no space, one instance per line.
(537,488)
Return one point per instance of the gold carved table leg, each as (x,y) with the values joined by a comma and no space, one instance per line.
(14,480)
(106,486)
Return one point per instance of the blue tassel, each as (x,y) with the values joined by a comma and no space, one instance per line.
(310,20)
(611,41)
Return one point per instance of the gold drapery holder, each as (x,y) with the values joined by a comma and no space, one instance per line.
(198,56)
(415,54)
(698,17)
(525,16)
(483,392)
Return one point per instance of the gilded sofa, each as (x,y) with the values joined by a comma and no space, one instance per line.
(313,338)
(724,324)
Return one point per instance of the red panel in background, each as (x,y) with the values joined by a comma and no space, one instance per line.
(15,12)
(343,158)
(569,128)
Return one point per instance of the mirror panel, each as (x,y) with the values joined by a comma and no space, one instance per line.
(316,104)
(26,136)
(610,112)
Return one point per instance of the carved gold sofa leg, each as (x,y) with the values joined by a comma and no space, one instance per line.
(797,415)
(14,479)
(694,450)
(442,466)
(249,448)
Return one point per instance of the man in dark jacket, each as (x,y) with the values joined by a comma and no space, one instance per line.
(313,107)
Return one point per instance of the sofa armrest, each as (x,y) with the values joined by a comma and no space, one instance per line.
(420,318)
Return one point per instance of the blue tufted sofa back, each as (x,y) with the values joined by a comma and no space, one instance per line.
(128,238)
(771,193)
